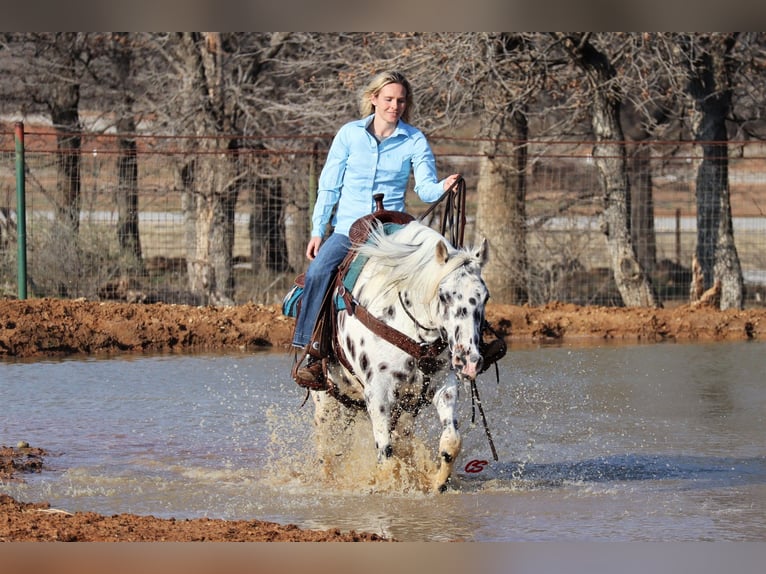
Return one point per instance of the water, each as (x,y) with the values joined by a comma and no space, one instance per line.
(650,443)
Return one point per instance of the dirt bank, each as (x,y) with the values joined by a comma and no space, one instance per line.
(29,522)
(51,327)
(48,327)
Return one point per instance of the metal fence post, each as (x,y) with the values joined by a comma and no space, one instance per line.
(21,211)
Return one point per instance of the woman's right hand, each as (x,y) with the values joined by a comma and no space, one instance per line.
(313,247)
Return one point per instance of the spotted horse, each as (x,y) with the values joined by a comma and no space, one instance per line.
(408,331)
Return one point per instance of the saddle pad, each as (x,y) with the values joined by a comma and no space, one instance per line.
(291,303)
(349,280)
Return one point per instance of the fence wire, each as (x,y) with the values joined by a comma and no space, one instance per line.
(566,248)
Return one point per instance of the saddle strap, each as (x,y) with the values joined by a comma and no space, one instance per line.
(404,342)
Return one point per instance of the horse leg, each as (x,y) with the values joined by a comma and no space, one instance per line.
(402,436)
(379,399)
(445,401)
(331,421)
(326,414)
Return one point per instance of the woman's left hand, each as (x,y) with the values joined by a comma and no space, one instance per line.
(450,180)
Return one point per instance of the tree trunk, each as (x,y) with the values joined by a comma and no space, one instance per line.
(298,210)
(501,209)
(268,247)
(209,202)
(716,252)
(210,179)
(642,207)
(633,283)
(126,197)
(127,194)
(66,122)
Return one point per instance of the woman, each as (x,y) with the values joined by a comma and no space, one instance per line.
(368,156)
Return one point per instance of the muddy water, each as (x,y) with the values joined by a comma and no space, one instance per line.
(657,442)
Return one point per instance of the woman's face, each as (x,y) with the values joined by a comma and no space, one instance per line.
(390,102)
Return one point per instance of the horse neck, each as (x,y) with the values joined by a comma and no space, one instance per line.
(418,320)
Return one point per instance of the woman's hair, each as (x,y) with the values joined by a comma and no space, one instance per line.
(374,87)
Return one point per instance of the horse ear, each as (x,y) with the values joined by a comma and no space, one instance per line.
(441,253)
(483,252)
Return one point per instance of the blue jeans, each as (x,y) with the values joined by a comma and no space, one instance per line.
(318,276)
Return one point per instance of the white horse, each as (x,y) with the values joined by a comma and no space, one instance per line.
(415,296)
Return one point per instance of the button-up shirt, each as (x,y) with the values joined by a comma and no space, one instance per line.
(359,167)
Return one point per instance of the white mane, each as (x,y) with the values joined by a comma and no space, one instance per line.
(405,261)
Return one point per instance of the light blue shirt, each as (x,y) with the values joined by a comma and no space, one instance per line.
(358,167)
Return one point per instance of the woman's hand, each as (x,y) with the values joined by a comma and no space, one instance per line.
(449,181)
(313,247)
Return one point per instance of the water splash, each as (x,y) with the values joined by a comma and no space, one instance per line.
(340,456)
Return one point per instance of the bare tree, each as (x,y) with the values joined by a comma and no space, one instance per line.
(634,284)
(201,89)
(50,68)
(501,211)
(126,195)
(710,68)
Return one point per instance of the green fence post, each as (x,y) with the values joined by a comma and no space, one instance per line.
(21,210)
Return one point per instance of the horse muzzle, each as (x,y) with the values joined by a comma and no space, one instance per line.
(468,367)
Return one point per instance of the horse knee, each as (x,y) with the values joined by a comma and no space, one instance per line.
(450,444)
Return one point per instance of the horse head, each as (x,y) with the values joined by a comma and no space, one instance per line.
(462,295)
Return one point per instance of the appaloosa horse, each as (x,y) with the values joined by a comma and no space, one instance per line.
(414,296)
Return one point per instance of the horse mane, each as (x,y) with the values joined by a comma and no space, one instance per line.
(405,261)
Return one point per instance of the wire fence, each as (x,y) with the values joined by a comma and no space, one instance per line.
(272,205)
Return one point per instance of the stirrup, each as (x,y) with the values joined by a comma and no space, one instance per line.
(311,376)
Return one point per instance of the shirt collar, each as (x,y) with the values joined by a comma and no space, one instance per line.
(365,122)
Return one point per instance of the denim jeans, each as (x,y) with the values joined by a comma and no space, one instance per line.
(318,276)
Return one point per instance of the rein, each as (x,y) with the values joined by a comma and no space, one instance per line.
(424,353)
(453,223)
(412,317)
